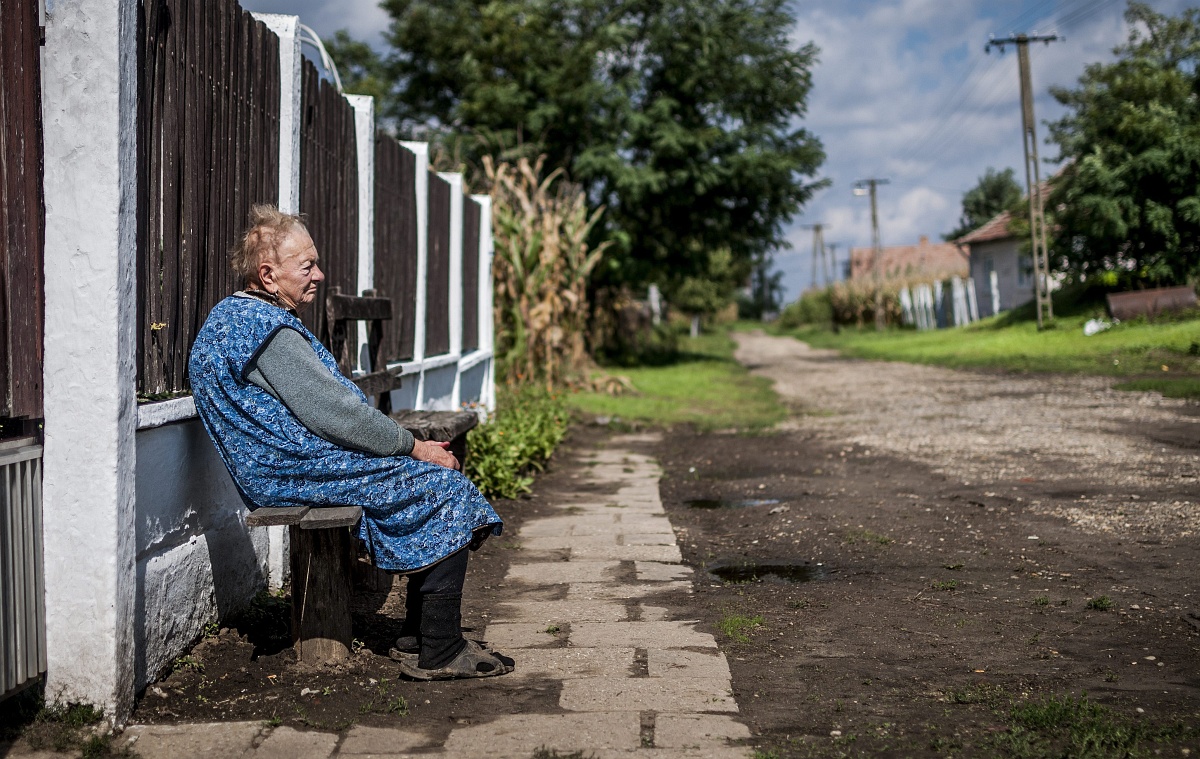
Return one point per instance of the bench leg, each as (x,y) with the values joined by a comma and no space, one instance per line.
(321,591)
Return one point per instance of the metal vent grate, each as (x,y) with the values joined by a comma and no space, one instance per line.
(22,589)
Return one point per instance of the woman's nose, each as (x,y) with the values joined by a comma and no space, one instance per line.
(317,274)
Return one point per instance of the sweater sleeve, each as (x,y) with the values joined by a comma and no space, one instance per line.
(289,369)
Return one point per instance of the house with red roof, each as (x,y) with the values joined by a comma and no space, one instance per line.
(925,260)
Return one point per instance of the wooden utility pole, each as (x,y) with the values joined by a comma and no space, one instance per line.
(865,187)
(1033,179)
(818,250)
(832,274)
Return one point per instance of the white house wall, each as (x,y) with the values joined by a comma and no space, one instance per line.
(1005,256)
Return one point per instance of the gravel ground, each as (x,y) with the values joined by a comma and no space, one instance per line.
(1130,457)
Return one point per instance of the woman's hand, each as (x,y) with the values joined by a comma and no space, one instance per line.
(435,453)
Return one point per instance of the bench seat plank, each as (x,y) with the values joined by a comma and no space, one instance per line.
(270,516)
(333,516)
(437,425)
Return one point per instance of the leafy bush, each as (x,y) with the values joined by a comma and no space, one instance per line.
(527,426)
(813,309)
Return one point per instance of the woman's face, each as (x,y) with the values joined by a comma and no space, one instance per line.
(295,275)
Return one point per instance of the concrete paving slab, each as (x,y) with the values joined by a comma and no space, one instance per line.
(559,612)
(650,571)
(697,731)
(623,591)
(629,439)
(647,635)
(289,743)
(220,740)
(653,613)
(554,573)
(522,734)
(565,542)
(628,553)
(569,525)
(571,663)
(642,539)
(647,694)
(668,663)
(509,637)
(362,742)
(645,524)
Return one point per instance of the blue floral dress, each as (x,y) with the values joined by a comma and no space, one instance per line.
(414,513)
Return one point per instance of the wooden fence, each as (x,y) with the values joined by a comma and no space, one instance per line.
(396,243)
(208,149)
(21,214)
(328,187)
(212,114)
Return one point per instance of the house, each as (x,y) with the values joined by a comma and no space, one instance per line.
(925,260)
(1002,272)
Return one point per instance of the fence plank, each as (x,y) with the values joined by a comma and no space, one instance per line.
(437,270)
(21,215)
(396,242)
(470,277)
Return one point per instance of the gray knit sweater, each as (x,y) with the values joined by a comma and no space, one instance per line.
(288,368)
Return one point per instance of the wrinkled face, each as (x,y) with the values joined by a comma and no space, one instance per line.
(295,274)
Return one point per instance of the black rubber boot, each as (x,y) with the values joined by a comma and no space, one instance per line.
(441,629)
(409,640)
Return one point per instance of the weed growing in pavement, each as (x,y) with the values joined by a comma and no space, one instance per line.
(866,536)
(1100,603)
(553,629)
(1041,601)
(944,585)
(737,626)
(520,437)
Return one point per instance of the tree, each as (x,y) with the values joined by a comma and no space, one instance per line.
(700,296)
(679,116)
(1129,198)
(996,191)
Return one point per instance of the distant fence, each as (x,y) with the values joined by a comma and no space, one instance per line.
(212,115)
(208,148)
(929,306)
(21,216)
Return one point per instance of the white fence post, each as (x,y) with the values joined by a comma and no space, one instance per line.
(487,336)
(421,190)
(287,28)
(89,105)
(455,296)
(364,133)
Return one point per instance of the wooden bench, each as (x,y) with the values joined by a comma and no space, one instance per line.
(327,560)
(322,561)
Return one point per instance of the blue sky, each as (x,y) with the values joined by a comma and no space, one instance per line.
(903,91)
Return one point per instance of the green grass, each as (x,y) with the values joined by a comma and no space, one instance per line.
(738,626)
(1163,356)
(701,385)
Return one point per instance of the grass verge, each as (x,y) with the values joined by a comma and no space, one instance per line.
(1162,356)
(700,384)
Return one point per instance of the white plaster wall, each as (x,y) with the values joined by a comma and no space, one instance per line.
(438,387)
(1005,255)
(196,559)
(89,111)
(472,383)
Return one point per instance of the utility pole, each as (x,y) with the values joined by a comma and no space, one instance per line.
(818,249)
(865,187)
(1033,179)
(831,273)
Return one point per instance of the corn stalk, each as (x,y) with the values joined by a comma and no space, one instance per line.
(541,268)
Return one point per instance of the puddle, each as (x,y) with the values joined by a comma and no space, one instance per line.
(767,571)
(713,503)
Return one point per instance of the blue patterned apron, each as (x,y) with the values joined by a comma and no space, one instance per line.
(414,513)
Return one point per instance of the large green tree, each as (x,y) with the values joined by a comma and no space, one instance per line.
(1129,199)
(682,117)
(996,191)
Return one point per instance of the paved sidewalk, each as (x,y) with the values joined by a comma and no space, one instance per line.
(635,681)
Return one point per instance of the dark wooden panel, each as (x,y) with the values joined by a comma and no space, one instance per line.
(21,212)
(329,187)
(470,277)
(208,149)
(437,269)
(396,242)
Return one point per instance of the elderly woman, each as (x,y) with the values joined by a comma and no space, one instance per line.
(293,431)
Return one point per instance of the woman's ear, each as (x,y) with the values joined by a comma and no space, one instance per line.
(266,275)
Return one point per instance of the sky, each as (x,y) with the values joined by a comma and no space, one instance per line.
(903,91)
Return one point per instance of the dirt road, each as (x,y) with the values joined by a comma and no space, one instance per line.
(941,559)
